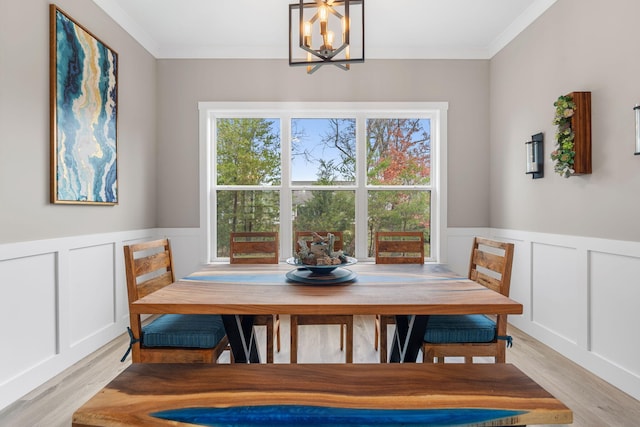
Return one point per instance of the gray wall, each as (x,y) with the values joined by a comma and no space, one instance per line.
(25,211)
(577,45)
(184,83)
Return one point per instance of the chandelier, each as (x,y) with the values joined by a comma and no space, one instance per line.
(322,33)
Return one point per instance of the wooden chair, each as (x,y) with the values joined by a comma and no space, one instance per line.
(475,335)
(259,248)
(345,321)
(170,338)
(395,247)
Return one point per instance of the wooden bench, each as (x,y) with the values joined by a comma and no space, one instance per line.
(327,394)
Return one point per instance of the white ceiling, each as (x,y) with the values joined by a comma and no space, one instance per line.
(395,29)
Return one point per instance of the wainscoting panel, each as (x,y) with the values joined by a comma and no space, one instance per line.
(28,319)
(92,291)
(614,308)
(554,287)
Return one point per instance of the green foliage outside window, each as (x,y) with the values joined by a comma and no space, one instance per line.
(247,153)
(403,210)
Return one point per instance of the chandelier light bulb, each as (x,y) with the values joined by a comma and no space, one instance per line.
(307,34)
(323,14)
(330,38)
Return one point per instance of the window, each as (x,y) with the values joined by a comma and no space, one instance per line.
(247,179)
(357,168)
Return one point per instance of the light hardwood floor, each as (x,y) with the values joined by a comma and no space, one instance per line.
(593,401)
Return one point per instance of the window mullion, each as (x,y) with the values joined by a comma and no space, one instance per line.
(286,200)
(362,205)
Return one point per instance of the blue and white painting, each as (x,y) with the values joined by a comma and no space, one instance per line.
(85,131)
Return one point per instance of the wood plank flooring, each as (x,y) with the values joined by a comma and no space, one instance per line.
(593,401)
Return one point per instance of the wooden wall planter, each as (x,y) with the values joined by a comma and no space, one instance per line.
(581,125)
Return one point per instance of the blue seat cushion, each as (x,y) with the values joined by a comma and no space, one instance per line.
(184,330)
(442,329)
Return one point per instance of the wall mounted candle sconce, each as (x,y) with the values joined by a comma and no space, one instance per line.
(637,110)
(535,157)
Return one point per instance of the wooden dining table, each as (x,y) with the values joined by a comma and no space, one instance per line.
(411,292)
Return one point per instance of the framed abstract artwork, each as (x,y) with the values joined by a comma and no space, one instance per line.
(84,110)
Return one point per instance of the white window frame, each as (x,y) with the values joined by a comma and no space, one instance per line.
(209,112)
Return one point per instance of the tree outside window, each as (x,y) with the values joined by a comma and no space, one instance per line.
(247,154)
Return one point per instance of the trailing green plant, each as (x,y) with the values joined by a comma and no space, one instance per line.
(564,154)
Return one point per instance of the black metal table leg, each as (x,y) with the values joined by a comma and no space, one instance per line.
(241,337)
(408,338)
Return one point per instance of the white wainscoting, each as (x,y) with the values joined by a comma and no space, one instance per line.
(62,299)
(580,295)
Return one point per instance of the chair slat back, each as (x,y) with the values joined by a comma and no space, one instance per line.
(254,248)
(308,237)
(399,247)
(154,284)
(149,267)
(490,264)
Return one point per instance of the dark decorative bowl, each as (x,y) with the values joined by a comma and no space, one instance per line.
(320,269)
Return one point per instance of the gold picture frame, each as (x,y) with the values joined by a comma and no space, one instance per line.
(83,114)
